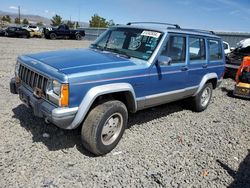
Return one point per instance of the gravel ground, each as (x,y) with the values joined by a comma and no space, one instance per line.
(166,146)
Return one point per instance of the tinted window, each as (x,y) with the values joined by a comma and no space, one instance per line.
(225,46)
(197,49)
(215,51)
(176,49)
(11,28)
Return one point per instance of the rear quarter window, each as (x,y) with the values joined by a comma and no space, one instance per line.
(215,50)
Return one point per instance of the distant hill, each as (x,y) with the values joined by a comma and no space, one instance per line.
(33,19)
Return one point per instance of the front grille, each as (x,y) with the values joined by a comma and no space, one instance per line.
(33,79)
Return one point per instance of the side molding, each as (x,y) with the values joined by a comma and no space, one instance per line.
(204,80)
(95,92)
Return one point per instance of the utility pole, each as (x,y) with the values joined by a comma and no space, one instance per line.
(19,15)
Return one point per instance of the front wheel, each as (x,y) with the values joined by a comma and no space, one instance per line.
(52,36)
(201,101)
(104,127)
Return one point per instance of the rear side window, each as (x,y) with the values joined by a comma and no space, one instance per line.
(176,49)
(197,48)
(215,51)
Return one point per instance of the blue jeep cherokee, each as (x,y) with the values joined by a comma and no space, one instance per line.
(128,68)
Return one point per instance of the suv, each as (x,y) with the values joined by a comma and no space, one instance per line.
(128,68)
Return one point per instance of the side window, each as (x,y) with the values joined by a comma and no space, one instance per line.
(197,50)
(176,49)
(61,28)
(226,47)
(215,51)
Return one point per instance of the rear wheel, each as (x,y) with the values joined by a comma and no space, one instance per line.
(78,36)
(52,36)
(104,127)
(201,101)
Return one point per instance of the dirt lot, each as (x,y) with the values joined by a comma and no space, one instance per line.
(166,146)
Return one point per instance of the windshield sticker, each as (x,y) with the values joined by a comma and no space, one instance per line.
(151,34)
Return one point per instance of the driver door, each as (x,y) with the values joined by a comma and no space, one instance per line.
(169,81)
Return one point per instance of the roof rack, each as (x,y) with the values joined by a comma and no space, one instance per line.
(197,30)
(158,23)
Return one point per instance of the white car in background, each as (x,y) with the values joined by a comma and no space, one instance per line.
(31,27)
(227,48)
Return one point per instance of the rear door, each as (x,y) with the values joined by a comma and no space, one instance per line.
(197,60)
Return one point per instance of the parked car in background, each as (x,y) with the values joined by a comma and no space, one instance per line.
(37,34)
(2,32)
(235,58)
(31,27)
(17,32)
(64,32)
(128,68)
(227,48)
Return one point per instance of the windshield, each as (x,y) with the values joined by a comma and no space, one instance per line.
(130,42)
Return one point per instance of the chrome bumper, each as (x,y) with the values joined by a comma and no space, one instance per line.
(61,117)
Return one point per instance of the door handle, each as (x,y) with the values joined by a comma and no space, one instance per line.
(204,66)
(184,68)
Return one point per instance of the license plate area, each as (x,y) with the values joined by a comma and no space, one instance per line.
(24,98)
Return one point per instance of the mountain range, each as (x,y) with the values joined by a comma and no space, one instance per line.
(33,19)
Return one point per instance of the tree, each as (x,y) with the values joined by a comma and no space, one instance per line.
(39,23)
(70,24)
(17,21)
(6,19)
(77,25)
(97,21)
(25,21)
(111,23)
(56,20)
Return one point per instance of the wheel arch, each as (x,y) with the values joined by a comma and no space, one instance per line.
(119,91)
(210,77)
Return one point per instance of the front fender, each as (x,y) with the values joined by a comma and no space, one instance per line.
(95,92)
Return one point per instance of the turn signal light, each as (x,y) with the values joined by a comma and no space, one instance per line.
(64,99)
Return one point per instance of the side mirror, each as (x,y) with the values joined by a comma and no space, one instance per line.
(164,60)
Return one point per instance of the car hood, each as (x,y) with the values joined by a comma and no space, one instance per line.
(81,60)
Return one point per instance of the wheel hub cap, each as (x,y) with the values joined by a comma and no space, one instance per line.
(205,96)
(111,129)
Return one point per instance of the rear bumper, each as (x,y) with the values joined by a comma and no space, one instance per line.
(61,117)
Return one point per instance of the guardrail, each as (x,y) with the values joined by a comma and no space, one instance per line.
(92,33)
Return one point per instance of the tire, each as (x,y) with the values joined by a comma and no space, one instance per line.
(104,127)
(52,36)
(78,36)
(201,101)
(25,36)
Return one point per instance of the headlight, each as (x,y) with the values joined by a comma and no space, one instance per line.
(58,93)
(56,87)
(17,68)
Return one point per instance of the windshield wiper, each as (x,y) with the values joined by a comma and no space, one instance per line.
(96,46)
(119,52)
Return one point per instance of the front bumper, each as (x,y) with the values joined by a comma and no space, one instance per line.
(61,117)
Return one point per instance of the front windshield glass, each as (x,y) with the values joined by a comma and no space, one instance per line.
(130,42)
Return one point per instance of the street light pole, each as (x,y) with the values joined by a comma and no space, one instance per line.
(19,15)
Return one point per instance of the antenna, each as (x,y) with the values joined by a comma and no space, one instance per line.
(157,23)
